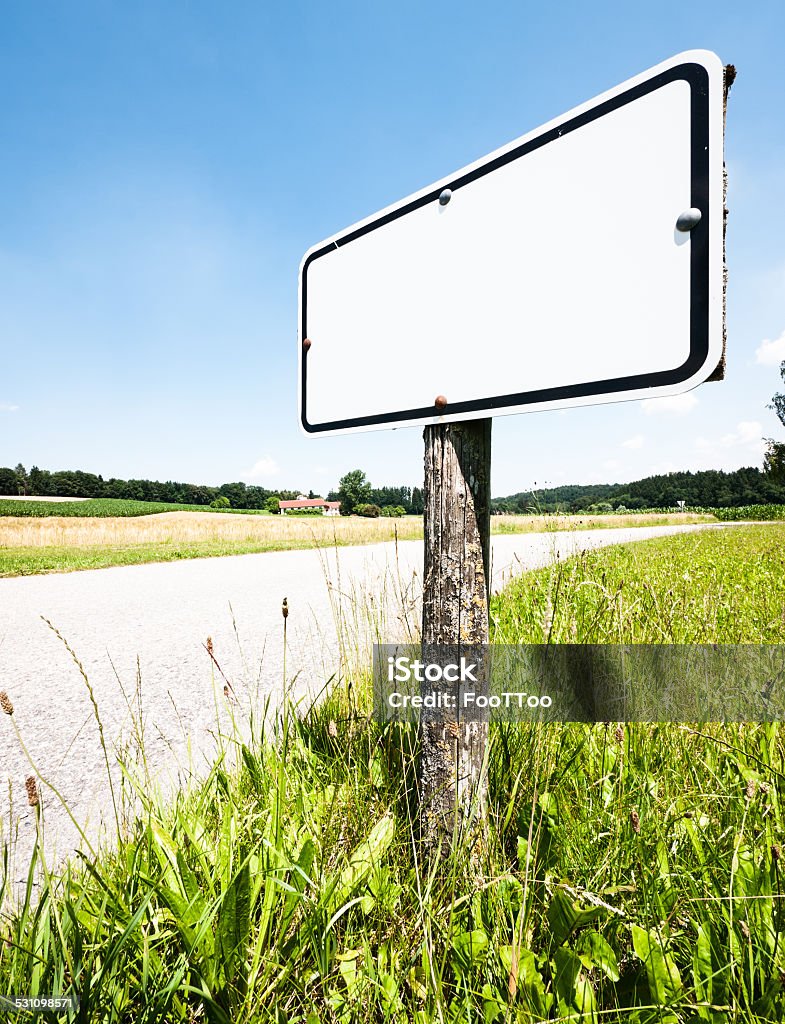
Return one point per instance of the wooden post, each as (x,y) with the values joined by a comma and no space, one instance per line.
(452,782)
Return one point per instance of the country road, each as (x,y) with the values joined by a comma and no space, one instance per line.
(140,632)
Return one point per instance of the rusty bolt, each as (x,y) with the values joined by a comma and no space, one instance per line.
(440,402)
(306,344)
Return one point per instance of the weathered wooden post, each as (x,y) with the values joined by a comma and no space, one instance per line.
(452,780)
(554,271)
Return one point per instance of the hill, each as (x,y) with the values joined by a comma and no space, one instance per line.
(713,488)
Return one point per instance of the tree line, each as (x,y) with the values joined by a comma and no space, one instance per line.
(706,489)
(712,488)
(78,484)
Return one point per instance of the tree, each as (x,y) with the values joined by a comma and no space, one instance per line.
(7,480)
(354,489)
(273,504)
(778,400)
(39,481)
(21,479)
(774,461)
(235,492)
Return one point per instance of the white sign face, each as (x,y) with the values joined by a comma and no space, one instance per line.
(551,274)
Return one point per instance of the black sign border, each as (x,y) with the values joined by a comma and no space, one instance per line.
(698,79)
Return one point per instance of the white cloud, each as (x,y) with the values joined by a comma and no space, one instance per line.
(611,464)
(771,353)
(7,407)
(265,467)
(747,432)
(744,445)
(678,405)
(636,441)
(746,435)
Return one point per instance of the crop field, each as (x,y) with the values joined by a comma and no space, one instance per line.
(52,544)
(630,872)
(98,508)
(761,513)
(48,542)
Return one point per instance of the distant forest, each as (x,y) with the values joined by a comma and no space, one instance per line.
(711,488)
(74,483)
(708,489)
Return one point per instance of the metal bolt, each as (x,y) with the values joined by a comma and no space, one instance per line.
(445,196)
(306,344)
(440,402)
(689,219)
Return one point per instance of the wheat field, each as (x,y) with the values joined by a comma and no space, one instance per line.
(193,527)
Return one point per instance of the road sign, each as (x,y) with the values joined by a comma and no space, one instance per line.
(582,263)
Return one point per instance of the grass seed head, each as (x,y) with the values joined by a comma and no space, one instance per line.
(5,703)
(285,608)
(635,821)
(209,646)
(32,791)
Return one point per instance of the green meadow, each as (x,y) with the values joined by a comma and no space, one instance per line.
(630,872)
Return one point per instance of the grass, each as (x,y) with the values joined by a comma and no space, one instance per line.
(51,543)
(631,873)
(719,586)
(584,521)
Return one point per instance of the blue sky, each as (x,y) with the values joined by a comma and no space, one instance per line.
(165,166)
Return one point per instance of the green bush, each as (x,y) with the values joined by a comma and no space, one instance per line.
(220,502)
(369,511)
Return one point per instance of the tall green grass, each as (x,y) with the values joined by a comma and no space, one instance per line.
(630,873)
(717,586)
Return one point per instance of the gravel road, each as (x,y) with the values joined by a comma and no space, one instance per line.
(150,624)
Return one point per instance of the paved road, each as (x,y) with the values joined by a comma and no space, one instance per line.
(140,632)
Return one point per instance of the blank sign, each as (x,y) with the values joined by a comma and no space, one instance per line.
(553,275)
